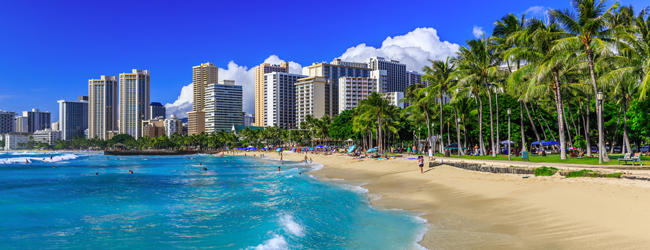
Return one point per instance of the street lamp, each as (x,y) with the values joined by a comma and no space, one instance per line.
(460,147)
(600,96)
(509,153)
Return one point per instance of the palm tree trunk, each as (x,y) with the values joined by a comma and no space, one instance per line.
(460,147)
(567,126)
(497,145)
(541,125)
(521,125)
(587,130)
(618,120)
(448,139)
(543,119)
(601,134)
(440,104)
(568,107)
(494,152)
(465,134)
(530,118)
(477,99)
(429,138)
(626,140)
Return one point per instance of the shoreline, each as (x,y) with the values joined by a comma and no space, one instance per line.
(467,210)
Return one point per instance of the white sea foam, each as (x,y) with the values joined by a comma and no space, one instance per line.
(276,243)
(317,166)
(16,160)
(45,158)
(357,188)
(60,158)
(421,233)
(291,226)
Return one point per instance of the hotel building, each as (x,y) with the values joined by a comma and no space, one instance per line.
(153,128)
(102,106)
(312,98)
(249,120)
(202,76)
(280,99)
(332,72)
(134,101)
(394,98)
(173,125)
(354,89)
(12,140)
(223,106)
(413,77)
(73,118)
(395,73)
(195,122)
(157,110)
(260,88)
(47,136)
(21,124)
(7,122)
(36,120)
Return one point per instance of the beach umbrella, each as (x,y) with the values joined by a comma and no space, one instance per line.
(453,146)
(278,150)
(552,143)
(371,150)
(350,149)
(319,146)
(311,149)
(572,148)
(507,142)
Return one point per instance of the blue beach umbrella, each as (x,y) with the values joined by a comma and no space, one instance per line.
(278,150)
(371,150)
(311,149)
(351,148)
(319,146)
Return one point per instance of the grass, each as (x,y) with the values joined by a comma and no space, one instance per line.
(554,158)
(545,171)
(590,173)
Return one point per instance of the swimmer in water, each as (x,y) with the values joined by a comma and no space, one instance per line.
(282,163)
(278,169)
(200,164)
(26,161)
(300,173)
(54,167)
(96,173)
(205,169)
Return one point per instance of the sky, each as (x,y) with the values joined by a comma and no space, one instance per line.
(49,49)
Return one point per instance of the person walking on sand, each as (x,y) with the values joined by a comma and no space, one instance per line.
(421,164)
(430,154)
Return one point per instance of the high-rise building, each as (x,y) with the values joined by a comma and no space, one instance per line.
(73,118)
(153,128)
(37,120)
(173,126)
(395,72)
(249,120)
(157,110)
(332,72)
(413,77)
(102,106)
(280,99)
(312,98)
(354,89)
(223,106)
(47,136)
(260,89)
(394,98)
(203,75)
(195,122)
(7,122)
(21,124)
(134,101)
(55,126)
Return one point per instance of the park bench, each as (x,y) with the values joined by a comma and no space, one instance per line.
(629,157)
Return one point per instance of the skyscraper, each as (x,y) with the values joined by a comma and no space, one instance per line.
(195,122)
(280,99)
(21,124)
(396,80)
(354,89)
(157,110)
(203,75)
(73,118)
(37,120)
(134,101)
(312,98)
(102,106)
(7,122)
(223,106)
(260,88)
(332,72)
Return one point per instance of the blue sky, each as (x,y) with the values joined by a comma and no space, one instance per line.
(49,49)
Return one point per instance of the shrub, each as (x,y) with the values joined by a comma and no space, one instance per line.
(545,171)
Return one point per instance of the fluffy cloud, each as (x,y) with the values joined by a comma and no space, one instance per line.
(478,32)
(242,75)
(537,11)
(413,49)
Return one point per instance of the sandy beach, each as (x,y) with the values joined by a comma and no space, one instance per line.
(475,210)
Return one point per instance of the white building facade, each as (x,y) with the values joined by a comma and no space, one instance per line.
(173,126)
(354,89)
(12,140)
(280,99)
(102,106)
(395,72)
(394,98)
(48,136)
(223,106)
(134,101)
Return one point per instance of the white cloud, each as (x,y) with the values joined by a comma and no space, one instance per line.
(478,32)
(413,49)
(537,11)
(242,75)
(183,104)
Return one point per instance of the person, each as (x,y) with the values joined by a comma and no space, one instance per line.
(280,157)
(278,169)
(26,161)
(51,157)
(96,173)
(200,164)
(430,154)
(54,167)
(300,173)
(421,163)
(205,169)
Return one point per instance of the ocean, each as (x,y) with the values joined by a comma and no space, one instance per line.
(91,201)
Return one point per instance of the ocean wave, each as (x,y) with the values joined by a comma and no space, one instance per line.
(60,158)
(357,188)
(276,243)
(291,226)
(16,160)
(317,166)
(19,160)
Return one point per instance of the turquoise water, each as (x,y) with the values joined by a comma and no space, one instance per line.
(170,203)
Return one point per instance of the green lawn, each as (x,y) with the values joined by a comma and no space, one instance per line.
(554,158)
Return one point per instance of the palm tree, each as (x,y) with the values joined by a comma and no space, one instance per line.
(439,75)
(375,106)
(476,64)
(587,30)
(416,96)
